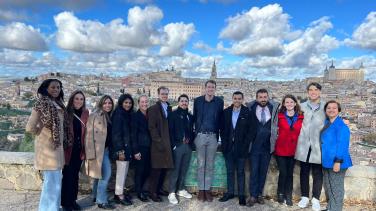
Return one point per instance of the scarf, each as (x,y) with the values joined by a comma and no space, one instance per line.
(50,119)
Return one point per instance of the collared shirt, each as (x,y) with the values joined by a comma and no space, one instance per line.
(208,118)
(267,113)
(235,116)
(165,106)
(313,106)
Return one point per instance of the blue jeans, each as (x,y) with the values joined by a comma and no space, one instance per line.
(51,190)
(100,185)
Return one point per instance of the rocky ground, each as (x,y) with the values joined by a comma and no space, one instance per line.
(28,200)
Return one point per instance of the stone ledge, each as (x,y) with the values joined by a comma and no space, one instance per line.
(20,158)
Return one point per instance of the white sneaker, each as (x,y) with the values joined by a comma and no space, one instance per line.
(185,194)
(315,204)
(303,203)
(172,198)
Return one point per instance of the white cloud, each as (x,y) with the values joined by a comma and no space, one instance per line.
(259,31)
(9,15)
(93,36)
(177,36)
(365,35)
(141,33)
(202,46)
(20,36)
(272,49)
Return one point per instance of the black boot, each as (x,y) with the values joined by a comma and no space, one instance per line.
(226,197)
(281,198)
(289,199)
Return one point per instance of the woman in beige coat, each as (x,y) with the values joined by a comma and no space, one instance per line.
(97,147)
(48,123)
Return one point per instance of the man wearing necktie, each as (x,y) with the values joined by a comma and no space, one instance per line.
(263,134)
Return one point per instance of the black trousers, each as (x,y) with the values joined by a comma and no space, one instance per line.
(235,164)
(142,169)
(286,172)
(157,177)
(69,189)
(317,179)
(259,169)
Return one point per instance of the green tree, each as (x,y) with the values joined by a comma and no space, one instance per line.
(27,145)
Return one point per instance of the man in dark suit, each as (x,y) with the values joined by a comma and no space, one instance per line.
(235,143)
(263,114)
(161,155)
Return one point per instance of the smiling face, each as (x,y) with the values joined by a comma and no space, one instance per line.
(237,100)
(127,104)
(54,89)
(183,103)
(289,104)
(332,110)
(210,89)
(107,105)
(262,98)
(163,95)
(78,101)
(314,93)
(143,103)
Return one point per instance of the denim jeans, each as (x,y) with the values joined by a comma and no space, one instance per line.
(100,185)
(51,190)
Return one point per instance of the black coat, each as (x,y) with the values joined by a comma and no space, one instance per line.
(239,136)
(179,126)
(140,136)
(121,133)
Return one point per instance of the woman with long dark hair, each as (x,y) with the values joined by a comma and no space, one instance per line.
(336,159)
(141,142)
(97,149)
(48,121)
(290,120)
(121,148)
(77,119)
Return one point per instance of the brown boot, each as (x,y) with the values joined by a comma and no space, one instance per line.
(201,195)
(208,196)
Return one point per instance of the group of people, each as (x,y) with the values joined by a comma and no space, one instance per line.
(160,141)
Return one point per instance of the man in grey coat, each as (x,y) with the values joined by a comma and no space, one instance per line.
(308,150)
(263,135)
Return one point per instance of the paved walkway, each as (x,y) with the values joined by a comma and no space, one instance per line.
(28,200)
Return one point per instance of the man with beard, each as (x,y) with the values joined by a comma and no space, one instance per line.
(263,129)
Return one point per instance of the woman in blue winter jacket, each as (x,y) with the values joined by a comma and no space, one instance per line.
(335,141)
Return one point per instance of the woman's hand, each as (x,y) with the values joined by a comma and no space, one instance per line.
(337,167)
(137,156)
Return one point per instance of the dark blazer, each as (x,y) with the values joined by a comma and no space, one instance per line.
(177,127)
(198,109)
(140,135)
(121,133)
(161,153)
(238,136)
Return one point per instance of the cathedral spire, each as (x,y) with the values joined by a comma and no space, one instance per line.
(214,71)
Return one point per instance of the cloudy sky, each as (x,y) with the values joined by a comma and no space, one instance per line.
(277,40)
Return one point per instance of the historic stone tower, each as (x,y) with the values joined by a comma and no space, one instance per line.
(213,75)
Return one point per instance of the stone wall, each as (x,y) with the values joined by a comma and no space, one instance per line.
(17,172)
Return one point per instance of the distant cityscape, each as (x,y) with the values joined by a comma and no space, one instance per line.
(346,85)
